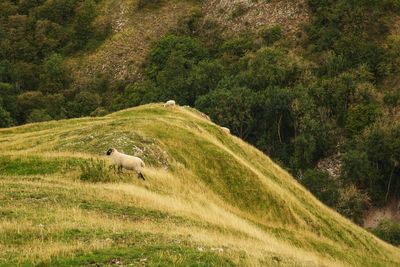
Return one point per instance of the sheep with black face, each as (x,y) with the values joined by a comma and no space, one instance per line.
(128,162)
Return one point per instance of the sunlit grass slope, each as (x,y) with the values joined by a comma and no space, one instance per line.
(208,199)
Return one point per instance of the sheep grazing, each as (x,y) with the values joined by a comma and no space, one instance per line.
(170,103)
(225,129)
(127,162)
(205,116)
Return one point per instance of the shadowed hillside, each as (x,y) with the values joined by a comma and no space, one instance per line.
(209,198)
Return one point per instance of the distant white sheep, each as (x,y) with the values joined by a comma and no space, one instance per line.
(170,103)
(205,116)
(225,129)
(127,162)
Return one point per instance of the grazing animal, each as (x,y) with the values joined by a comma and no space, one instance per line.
(127,162)
(205,116)
(170,103)
(225,129)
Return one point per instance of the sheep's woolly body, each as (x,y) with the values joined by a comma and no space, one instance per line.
(170,103)
(127,161)
(226,129)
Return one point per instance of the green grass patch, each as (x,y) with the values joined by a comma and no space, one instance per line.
(34,165)
(96,171)
(147,255)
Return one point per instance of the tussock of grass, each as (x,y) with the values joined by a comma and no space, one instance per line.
(96,171)
(204,188)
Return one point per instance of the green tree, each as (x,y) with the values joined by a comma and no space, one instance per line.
(49,37)
(388,231)
(358,168)
(321,185)
(205,77)
(27,102)
(231,108)
(353,203)
(361,116)
(83,19)
(55,106)
(38,115)
(170,66)
(84,103)
(271,34)
(24,75)
(53,77)
(269,67)
(18,42)
(5,118)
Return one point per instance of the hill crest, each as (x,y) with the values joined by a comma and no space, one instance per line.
(208,189)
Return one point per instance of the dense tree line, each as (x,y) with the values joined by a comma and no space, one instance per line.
(35,38)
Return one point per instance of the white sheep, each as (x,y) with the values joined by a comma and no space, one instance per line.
(170,103)
(225,129)
(127,162)
(205,116)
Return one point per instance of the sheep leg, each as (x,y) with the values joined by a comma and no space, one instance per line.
(140,175)
(119,169)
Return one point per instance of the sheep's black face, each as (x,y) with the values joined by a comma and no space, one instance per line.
(110,151)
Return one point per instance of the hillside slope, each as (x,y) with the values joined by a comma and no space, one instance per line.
(208,198)
(134,31)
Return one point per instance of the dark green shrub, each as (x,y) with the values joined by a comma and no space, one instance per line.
(271,34)
(361,116)
(95,171)
(388,231)
(5,118)
(321,185)
(148,3)
(85,102)
(353,203)
(38,115)
(239,11)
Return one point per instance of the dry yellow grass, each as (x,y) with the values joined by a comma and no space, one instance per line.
(216,194)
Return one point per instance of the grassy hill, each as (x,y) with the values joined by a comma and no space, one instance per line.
(209,198)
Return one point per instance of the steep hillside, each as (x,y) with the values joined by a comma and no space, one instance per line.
(209,198)
(133,33)
(241,15)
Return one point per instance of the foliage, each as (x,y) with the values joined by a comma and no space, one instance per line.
(239,10)
(170,65)
(53,76)
(388,231)
(35,39)
(271,34)
(38,115)
(351,28)
(5,118)
(352,203)
(84,103)
(95,171)
(361,116)
(232,108)
(374,165)
(321,185)
(148,3)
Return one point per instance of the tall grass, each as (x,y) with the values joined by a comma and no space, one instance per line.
(205,192)
(95,171)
